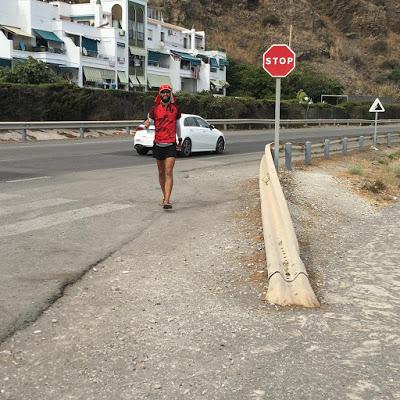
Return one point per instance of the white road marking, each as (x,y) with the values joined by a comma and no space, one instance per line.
(5,196)
(59,218)
(28,179)
(36,205)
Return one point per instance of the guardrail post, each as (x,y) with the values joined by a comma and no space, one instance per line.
(225,127)
(23,134)
(288,156)
(389,139)
(307,153)
(360,143)
(326,148)
(344,145)
(82,133)
(128,130)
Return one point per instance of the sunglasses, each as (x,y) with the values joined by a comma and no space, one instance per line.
(165,92)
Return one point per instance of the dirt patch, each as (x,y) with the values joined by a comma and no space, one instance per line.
(373,174)
(249,217)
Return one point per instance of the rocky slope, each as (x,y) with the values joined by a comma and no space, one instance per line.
(356,41)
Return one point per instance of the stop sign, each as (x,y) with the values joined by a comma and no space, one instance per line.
(279,60)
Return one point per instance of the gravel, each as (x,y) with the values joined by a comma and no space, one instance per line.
(186,319)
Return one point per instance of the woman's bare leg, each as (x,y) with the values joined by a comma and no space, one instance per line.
(169,178)
(161,176)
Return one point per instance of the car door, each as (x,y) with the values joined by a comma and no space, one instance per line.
(192,130)
(207,137)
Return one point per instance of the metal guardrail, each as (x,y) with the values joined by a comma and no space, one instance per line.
(287,276)
(128,124)
(68,124)
(343,145)
(134,123)
(302,121)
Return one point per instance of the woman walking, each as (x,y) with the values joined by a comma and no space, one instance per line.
(165,113)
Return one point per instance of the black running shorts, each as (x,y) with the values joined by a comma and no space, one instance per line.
(161,153)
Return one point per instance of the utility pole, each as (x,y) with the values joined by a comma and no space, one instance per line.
(291,23)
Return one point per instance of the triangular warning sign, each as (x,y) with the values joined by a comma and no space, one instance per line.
(377,106)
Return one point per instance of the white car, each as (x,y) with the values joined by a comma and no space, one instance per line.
(197,135)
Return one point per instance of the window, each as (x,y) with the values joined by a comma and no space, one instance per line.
(163,36)
(140,27)
(149,34)
(190,121)
(202,123)
(185,43)
(116,12)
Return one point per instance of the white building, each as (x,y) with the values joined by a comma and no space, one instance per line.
(109,44)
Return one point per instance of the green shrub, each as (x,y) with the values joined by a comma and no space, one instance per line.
(30,71)
(271,19)
(355,170)
(395,76)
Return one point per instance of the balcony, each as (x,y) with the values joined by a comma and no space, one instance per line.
(44,49)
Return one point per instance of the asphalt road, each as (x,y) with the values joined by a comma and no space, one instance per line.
(59,216)
(32,160)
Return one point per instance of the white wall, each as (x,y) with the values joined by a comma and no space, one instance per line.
(204,81)
(5,46)
(175,74)
(9,14)
(43,15)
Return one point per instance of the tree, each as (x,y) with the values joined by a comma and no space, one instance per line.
(253,81)
(249,80)
(312,82)
(30,71)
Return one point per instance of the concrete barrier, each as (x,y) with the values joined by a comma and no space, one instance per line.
(287,276)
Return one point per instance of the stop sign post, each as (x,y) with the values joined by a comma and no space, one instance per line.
(279,61)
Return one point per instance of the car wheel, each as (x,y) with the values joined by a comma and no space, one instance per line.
(142,152)
(186,148)
(220,147)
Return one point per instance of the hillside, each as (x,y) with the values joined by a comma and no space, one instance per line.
(355,41)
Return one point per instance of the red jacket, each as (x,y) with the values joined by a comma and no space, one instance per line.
(165,121)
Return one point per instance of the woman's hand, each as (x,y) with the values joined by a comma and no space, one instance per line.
(147,123)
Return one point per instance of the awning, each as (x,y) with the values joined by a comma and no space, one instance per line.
(155,81)
(137,51)
(219,84)
(134,81)
(107,74)
(223,62)
(187,57)
(5,62)
(89,44)
(122,77)
(154,57)
(141,80)
(47,35)
(93,74)
(15,30)
(214,63)
(224,84)
(82,17)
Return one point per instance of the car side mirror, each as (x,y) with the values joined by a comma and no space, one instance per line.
(212,127)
